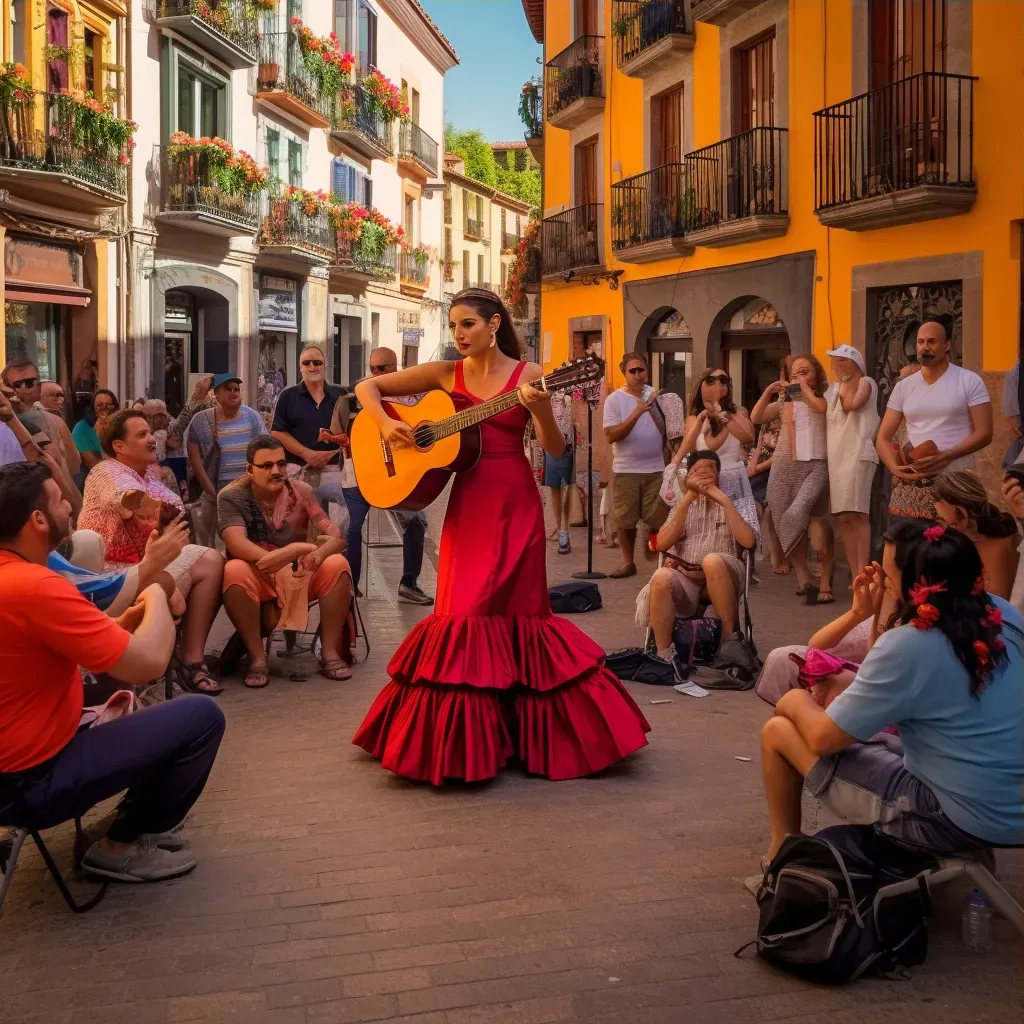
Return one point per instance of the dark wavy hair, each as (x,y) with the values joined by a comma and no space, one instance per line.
(964,490)
(697,400)
(962,611)
(821,376)
(487,305)
(116,427)
(632,357)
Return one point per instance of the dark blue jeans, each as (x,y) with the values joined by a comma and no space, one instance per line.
(161,755)
(414,531)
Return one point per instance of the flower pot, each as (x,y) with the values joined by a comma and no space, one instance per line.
(268,75)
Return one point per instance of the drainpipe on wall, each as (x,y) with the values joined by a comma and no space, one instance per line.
(126,262)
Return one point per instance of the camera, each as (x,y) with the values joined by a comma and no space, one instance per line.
(792,391)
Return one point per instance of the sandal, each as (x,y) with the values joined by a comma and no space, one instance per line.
(782,570)
(197,679)
(825,597)
(257,678)
(335,669)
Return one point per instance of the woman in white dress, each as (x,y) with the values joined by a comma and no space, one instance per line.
(851,422)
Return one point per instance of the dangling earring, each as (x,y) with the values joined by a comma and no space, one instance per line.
(494,340)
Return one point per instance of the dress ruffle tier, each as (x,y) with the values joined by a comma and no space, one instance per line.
(468,693)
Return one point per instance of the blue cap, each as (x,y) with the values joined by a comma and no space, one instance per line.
(220,379)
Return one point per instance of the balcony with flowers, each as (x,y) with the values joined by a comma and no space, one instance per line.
(524,272)
(367,244)
(295,226)
(226,29)
(301,73)
(208,185)
(414,268)
(64,147)
(531,113)
(364,115)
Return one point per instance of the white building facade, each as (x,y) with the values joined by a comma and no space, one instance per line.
(225,275)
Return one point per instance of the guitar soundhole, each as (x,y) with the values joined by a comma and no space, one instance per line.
(424,435)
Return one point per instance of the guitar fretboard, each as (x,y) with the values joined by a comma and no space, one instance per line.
(556,381)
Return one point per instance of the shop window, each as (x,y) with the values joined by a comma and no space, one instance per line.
(34,332)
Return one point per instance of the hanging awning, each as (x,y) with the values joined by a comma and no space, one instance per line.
(17,292)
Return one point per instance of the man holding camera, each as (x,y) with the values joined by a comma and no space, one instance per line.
(948,417)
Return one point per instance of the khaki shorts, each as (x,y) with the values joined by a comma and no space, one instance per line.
(687,593)
(635,497)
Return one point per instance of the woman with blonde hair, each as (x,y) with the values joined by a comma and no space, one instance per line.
(962,503)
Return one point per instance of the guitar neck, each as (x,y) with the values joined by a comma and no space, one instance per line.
(477,413)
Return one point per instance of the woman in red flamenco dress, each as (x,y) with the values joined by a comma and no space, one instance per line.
(492,674)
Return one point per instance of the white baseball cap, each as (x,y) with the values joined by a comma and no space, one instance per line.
(849,352)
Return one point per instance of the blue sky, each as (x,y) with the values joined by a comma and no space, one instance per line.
(497,54)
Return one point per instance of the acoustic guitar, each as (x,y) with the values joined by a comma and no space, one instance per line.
(447,432)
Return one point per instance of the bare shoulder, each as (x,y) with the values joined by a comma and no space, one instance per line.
(532,371)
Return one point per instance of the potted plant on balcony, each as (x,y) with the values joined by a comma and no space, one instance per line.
(529,105)
(324,59)
(384,97)
(16,95)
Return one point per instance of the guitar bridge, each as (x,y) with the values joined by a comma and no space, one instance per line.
(389,458)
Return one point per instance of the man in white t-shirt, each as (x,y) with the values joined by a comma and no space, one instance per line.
(638,461)
(943,403)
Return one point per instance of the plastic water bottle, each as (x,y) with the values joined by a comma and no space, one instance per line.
(976,923)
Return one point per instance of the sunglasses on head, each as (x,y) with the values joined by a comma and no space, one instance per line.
(279,464)
(28,382)
(637,369)
(718,378)
(315,363)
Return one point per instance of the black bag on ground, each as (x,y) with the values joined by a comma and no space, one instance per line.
(635,665)
(822,916)
(697,640)
(578,596)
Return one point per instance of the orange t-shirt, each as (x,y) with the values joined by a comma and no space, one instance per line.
(47,629)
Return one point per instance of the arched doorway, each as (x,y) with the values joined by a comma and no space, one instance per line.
(667,341)
(195,330)
(752,342)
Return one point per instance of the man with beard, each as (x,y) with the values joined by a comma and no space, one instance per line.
(49,771)
(264,520)
(22,376)
(125,500)
(948,416)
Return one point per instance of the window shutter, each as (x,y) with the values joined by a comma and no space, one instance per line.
(367,191)
(339,179)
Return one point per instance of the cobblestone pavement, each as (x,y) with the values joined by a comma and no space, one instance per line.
(329,891)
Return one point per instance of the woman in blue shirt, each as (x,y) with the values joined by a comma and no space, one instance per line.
(85,436)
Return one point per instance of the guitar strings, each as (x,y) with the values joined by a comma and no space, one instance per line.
(428,433)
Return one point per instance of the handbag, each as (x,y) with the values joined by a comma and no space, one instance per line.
(211,460)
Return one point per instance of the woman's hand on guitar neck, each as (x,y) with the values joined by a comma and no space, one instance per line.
(529,395)
(398,434)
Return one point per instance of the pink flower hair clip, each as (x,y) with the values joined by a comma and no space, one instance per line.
(920,592)
(933,533)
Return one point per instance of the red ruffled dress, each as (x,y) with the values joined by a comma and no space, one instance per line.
(493,673)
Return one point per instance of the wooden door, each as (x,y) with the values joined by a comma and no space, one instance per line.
(586,18)
(586,172)
(667,128)
(754,84)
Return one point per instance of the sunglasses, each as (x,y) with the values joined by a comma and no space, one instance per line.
(637,369)
(28,382)
(386,368)
(315,363)
(718,378)
(280,464)
(57,394)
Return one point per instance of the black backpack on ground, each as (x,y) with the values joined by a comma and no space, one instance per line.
(822,916)
(578,596)
(635,665)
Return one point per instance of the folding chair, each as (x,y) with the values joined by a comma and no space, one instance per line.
(979,876)
(10,850)
(314,647)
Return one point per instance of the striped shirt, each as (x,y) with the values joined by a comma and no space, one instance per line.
(233,436)
(708,532)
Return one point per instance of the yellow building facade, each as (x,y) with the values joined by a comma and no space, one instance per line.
(64,160)
(727,181)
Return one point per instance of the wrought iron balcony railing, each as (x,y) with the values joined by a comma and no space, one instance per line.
(742,176)
(285,223)
(473,229)
(415,143)
(235,21)
(917,131)
(639,24)
(48,133)
(572,239)
(650,207)
(192,183)
(413,271)
(574,74)
(357,113)
(366,259)
(509,240)
(283,73)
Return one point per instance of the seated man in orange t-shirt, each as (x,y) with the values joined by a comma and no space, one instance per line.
(49,771)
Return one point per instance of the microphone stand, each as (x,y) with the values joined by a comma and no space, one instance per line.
(591,394)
